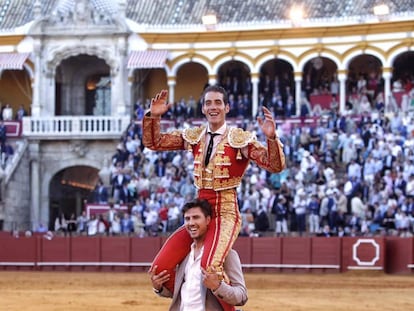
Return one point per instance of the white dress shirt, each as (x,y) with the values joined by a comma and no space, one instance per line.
(191,299)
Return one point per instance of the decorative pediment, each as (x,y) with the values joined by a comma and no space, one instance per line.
(84,16)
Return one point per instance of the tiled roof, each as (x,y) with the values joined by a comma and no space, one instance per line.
(15,13)
(108,6)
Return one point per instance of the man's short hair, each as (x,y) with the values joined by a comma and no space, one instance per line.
(202,204)
(216,89)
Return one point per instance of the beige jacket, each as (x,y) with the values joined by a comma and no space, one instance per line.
(234,294)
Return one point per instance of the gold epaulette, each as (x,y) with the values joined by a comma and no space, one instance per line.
(175,132)
(239,138)
(193,135)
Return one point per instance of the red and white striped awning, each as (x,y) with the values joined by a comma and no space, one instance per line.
(12,60)
(147,59)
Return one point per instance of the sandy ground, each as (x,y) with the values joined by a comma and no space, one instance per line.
(104,291)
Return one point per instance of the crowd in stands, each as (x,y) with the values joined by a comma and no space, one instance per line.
(365,93)
(346,175)
(349,174)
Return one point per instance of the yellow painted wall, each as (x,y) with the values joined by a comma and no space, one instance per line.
(16,89)
(156,81)
(191,79)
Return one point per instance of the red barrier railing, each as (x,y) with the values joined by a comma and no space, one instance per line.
(288,254)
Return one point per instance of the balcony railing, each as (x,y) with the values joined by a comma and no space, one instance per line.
(58,127)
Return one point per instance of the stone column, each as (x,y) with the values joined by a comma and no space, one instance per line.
(35,109)
(171,88)
(129,94)
(298,90)
(212,79)
(387,75)
(255,93)
(117,89)
(342,75)
(35,186)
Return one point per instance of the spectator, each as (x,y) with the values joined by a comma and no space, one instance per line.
(82,223)
(71,224)
(3,133)
(299,205)
(280,210)
(92,225)
(151,221)
(313,211)
(7,113)
(127,226)
(261,221)
(139,226)
(101,193)
(326,232)
(115,227)
(20,113)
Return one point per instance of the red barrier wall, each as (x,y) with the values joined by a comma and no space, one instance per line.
(84,252)
(266,253)
(363,254)
(54,253)
(243,246)
(399,255)
(321,255)
(326,254)
(296,253)
(18,253)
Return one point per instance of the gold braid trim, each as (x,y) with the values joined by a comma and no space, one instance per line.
(271,158)
(153,139)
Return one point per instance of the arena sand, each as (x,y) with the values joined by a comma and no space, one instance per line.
(105,291)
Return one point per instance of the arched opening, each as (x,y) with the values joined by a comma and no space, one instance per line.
(320,84)
(69,189)
(192,78)
(277,87)
(365,85)
(235,77)
(402,81)
(16,90)
(146,83)
(77,85)
(403,70)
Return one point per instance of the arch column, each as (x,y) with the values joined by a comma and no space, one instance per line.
(35,109)
(171,88)
(212,79)
(117,90)
(121,79)
(342,75)
(35,214)
(129,94)
(387,75)
(298,90)
(255,93)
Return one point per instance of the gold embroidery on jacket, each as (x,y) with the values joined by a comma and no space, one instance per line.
(238,138)
(217,174)
(194,135)
(260,155)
